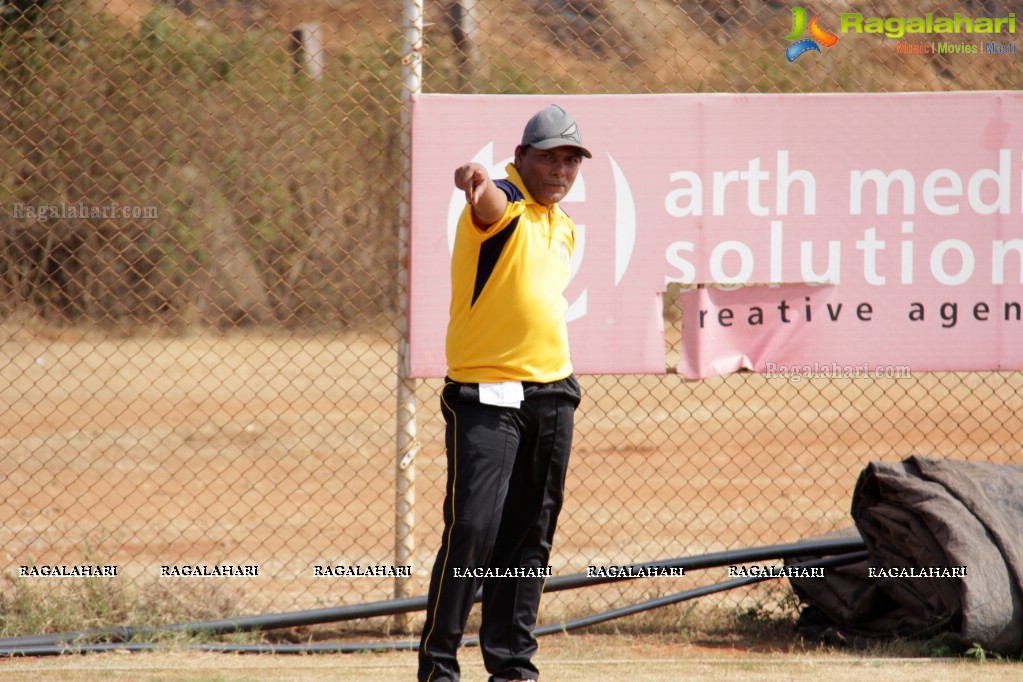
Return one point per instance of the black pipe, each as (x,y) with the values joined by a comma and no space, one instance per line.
(829,562)
(345,648)
(230,625)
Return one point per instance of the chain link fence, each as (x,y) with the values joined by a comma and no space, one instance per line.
(200,307)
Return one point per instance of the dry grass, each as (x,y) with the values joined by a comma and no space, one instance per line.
(34,607)
(563,658)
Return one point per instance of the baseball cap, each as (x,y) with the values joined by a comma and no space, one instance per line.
(553,127)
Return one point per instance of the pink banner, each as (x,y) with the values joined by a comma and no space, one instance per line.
(867,230)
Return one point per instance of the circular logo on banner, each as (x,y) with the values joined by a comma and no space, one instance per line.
(624,212)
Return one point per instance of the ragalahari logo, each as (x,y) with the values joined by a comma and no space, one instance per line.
(818,36)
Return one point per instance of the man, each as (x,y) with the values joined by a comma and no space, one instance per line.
(508,402)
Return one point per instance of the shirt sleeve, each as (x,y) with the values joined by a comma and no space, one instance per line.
(514,208)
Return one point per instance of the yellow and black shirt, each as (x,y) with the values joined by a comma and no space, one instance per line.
(507,292)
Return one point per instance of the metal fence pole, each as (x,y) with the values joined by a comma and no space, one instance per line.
(407,446)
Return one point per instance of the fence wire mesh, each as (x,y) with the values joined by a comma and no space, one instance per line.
(200,310)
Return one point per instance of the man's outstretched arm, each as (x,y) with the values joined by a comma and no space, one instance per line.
(488,202)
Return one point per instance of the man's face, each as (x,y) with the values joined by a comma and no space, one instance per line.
(548,173)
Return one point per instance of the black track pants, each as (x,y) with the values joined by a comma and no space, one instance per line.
(505,487)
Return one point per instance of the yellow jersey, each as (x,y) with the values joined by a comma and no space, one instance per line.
(507,292)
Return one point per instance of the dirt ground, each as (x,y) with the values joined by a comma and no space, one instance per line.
(278,451)
(564,659)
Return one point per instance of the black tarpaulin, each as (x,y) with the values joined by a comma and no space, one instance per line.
(945,554)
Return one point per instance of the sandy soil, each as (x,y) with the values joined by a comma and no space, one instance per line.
(278,451)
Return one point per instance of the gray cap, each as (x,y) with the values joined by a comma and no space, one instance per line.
(553,127)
